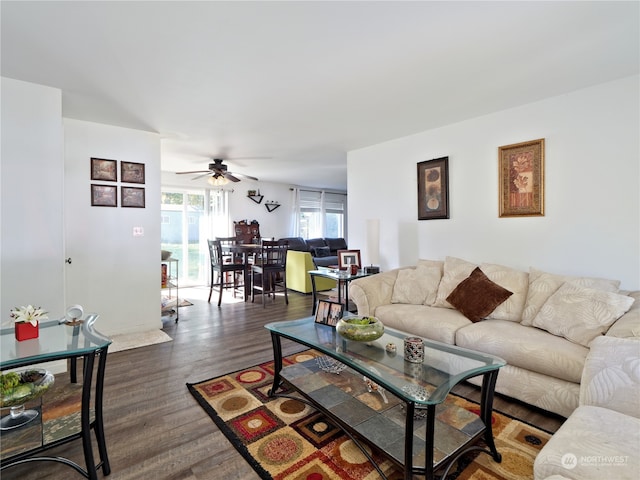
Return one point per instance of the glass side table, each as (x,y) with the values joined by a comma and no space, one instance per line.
(60,341)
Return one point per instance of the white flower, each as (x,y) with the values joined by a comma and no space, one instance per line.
(29,314)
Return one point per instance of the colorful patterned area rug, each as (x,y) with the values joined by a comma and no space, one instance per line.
(284,439)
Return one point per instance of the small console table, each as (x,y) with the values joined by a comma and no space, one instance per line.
(60,341)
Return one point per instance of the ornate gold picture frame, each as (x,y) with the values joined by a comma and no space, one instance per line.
(521,179)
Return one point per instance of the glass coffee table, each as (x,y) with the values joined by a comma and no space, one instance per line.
(403,424)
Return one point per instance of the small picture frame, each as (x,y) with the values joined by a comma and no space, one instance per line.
(131,172)
(521,179)
(346,258)
(433,189)
(104,196)
(132,197)
(328,313)
(103,169)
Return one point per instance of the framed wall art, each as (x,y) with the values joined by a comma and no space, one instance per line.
(433,189)
(131,172)
(103,169)
(328,313)
(521,179)
(346,258)
(132,197)
(104,196)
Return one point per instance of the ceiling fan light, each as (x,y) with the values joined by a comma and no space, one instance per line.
(217,180)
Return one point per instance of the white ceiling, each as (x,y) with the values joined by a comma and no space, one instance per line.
(287,88)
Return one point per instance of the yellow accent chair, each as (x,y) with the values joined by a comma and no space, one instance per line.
(298,264)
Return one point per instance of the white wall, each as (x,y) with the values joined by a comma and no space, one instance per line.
(275,224)
(592,206)
(112,272)
(31,169)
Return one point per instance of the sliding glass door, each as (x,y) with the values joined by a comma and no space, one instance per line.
(189,218)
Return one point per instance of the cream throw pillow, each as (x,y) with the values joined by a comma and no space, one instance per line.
(417,286)
(542,285)
(516,282)
(581,314)
(455,271)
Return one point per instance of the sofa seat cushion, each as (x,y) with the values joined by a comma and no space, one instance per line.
(526,347)
(438,324)
(594,443)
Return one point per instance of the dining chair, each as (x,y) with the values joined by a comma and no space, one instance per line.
(269,272)
(220,268)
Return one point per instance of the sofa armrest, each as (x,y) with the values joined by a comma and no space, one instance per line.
(628,325)
(370,292)
(611,375)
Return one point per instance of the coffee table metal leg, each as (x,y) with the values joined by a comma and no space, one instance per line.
(277,363)
(486,410)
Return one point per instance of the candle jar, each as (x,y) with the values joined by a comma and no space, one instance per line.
(414,349)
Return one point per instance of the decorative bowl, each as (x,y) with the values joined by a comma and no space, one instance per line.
(20,387)
(360,328)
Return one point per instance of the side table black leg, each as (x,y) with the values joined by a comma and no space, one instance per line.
(486,411)
(85,416)
(314,294)
(277,363)
(99,424)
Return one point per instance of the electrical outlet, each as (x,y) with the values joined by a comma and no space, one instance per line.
(138,232)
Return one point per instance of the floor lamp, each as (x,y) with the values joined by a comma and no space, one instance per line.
(373,246)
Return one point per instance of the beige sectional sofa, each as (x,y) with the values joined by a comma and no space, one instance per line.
(541,323)
(601,439)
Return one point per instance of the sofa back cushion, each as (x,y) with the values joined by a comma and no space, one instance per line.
(297,243)
(320,252)
(542,285)
(419,285)
(336,244)
(581,314)
(315,243)
(456,270)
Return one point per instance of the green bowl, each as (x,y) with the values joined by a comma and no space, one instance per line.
(28,384)
(360,328)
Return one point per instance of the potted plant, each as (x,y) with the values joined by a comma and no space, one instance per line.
(26,321)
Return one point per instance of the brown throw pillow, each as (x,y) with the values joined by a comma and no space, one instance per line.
(477,296)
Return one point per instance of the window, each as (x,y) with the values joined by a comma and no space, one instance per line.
(320,214)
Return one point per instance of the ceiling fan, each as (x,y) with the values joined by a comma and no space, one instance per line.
(219,174)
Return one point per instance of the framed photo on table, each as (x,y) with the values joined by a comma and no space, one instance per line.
(346,258)
(328,313)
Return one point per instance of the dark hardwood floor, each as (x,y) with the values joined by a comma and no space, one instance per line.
(154,427)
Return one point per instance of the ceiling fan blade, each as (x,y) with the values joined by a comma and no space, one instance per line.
(197,171)
(200,176)
(247,177)
(228,176)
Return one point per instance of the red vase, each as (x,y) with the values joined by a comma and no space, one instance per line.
(26,331)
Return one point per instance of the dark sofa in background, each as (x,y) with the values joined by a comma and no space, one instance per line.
(324,251)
